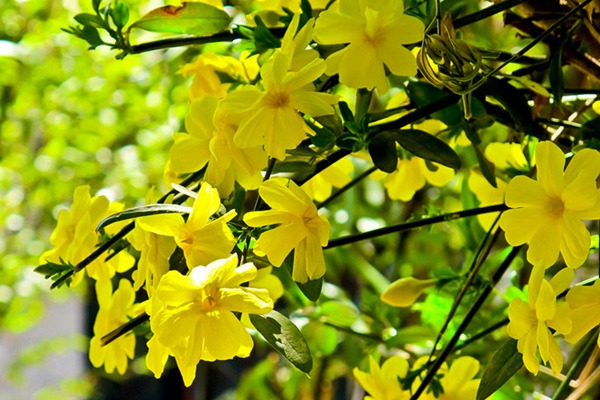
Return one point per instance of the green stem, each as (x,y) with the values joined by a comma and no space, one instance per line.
(179,41)
(478,260)
(465,323)
(415,224)
(414,116)
(485,13)
(481,334)
(582,358)
(123,329)
(347,187)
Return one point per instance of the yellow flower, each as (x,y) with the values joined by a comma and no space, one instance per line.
(210,142)
(504,156)
(412,174)
(295,44)
(376,32)
(585,310)
(193,315)
(265,280)
(457,381)
(530,322)
(547,213)
(75,236)
(300,228)
(271,118)
(201,240)
(405,291)
(114,309)
(206,81)
(155,251)
(382,383)
(337,175)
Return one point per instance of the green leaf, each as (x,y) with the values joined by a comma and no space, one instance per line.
(487,169)
(322,339)
(506,362)
(53,270)
(591,129)
(120,14)
(349,141)
(338,313)
(91,35)
(513,100)
(86,19)
(556,75)
(142,211)
(190,18)
(382,149)
(423,94)
(263,37)
(285,337)
(311,289)
(424,145)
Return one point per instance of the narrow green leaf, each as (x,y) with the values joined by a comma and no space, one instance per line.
(285,337)
(424,145)
(513,100)
(506,362)
(142,211)
(488,170)
(382,149)
(198,19)
(556,75)
(263,37)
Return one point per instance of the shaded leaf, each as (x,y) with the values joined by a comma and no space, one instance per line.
(86,19)
(382,149)
(424,145)
(487,169)
(190,18)
(513,100)
(142,211)
(311,289)
(556,75)
(285,337)
(423,94)
(506,362)
(263,37)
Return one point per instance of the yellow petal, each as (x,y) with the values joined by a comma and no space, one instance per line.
(279,242)
(575,241)
(523,191)
(550,165)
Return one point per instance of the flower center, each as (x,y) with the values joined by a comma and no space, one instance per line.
(277,99)
(210,299)
(374,33)
(555,207)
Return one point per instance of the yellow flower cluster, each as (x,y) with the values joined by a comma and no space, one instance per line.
(547,214)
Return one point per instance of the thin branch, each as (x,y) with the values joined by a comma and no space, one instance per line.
(412,225)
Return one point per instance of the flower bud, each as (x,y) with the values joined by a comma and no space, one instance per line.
(404,292)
